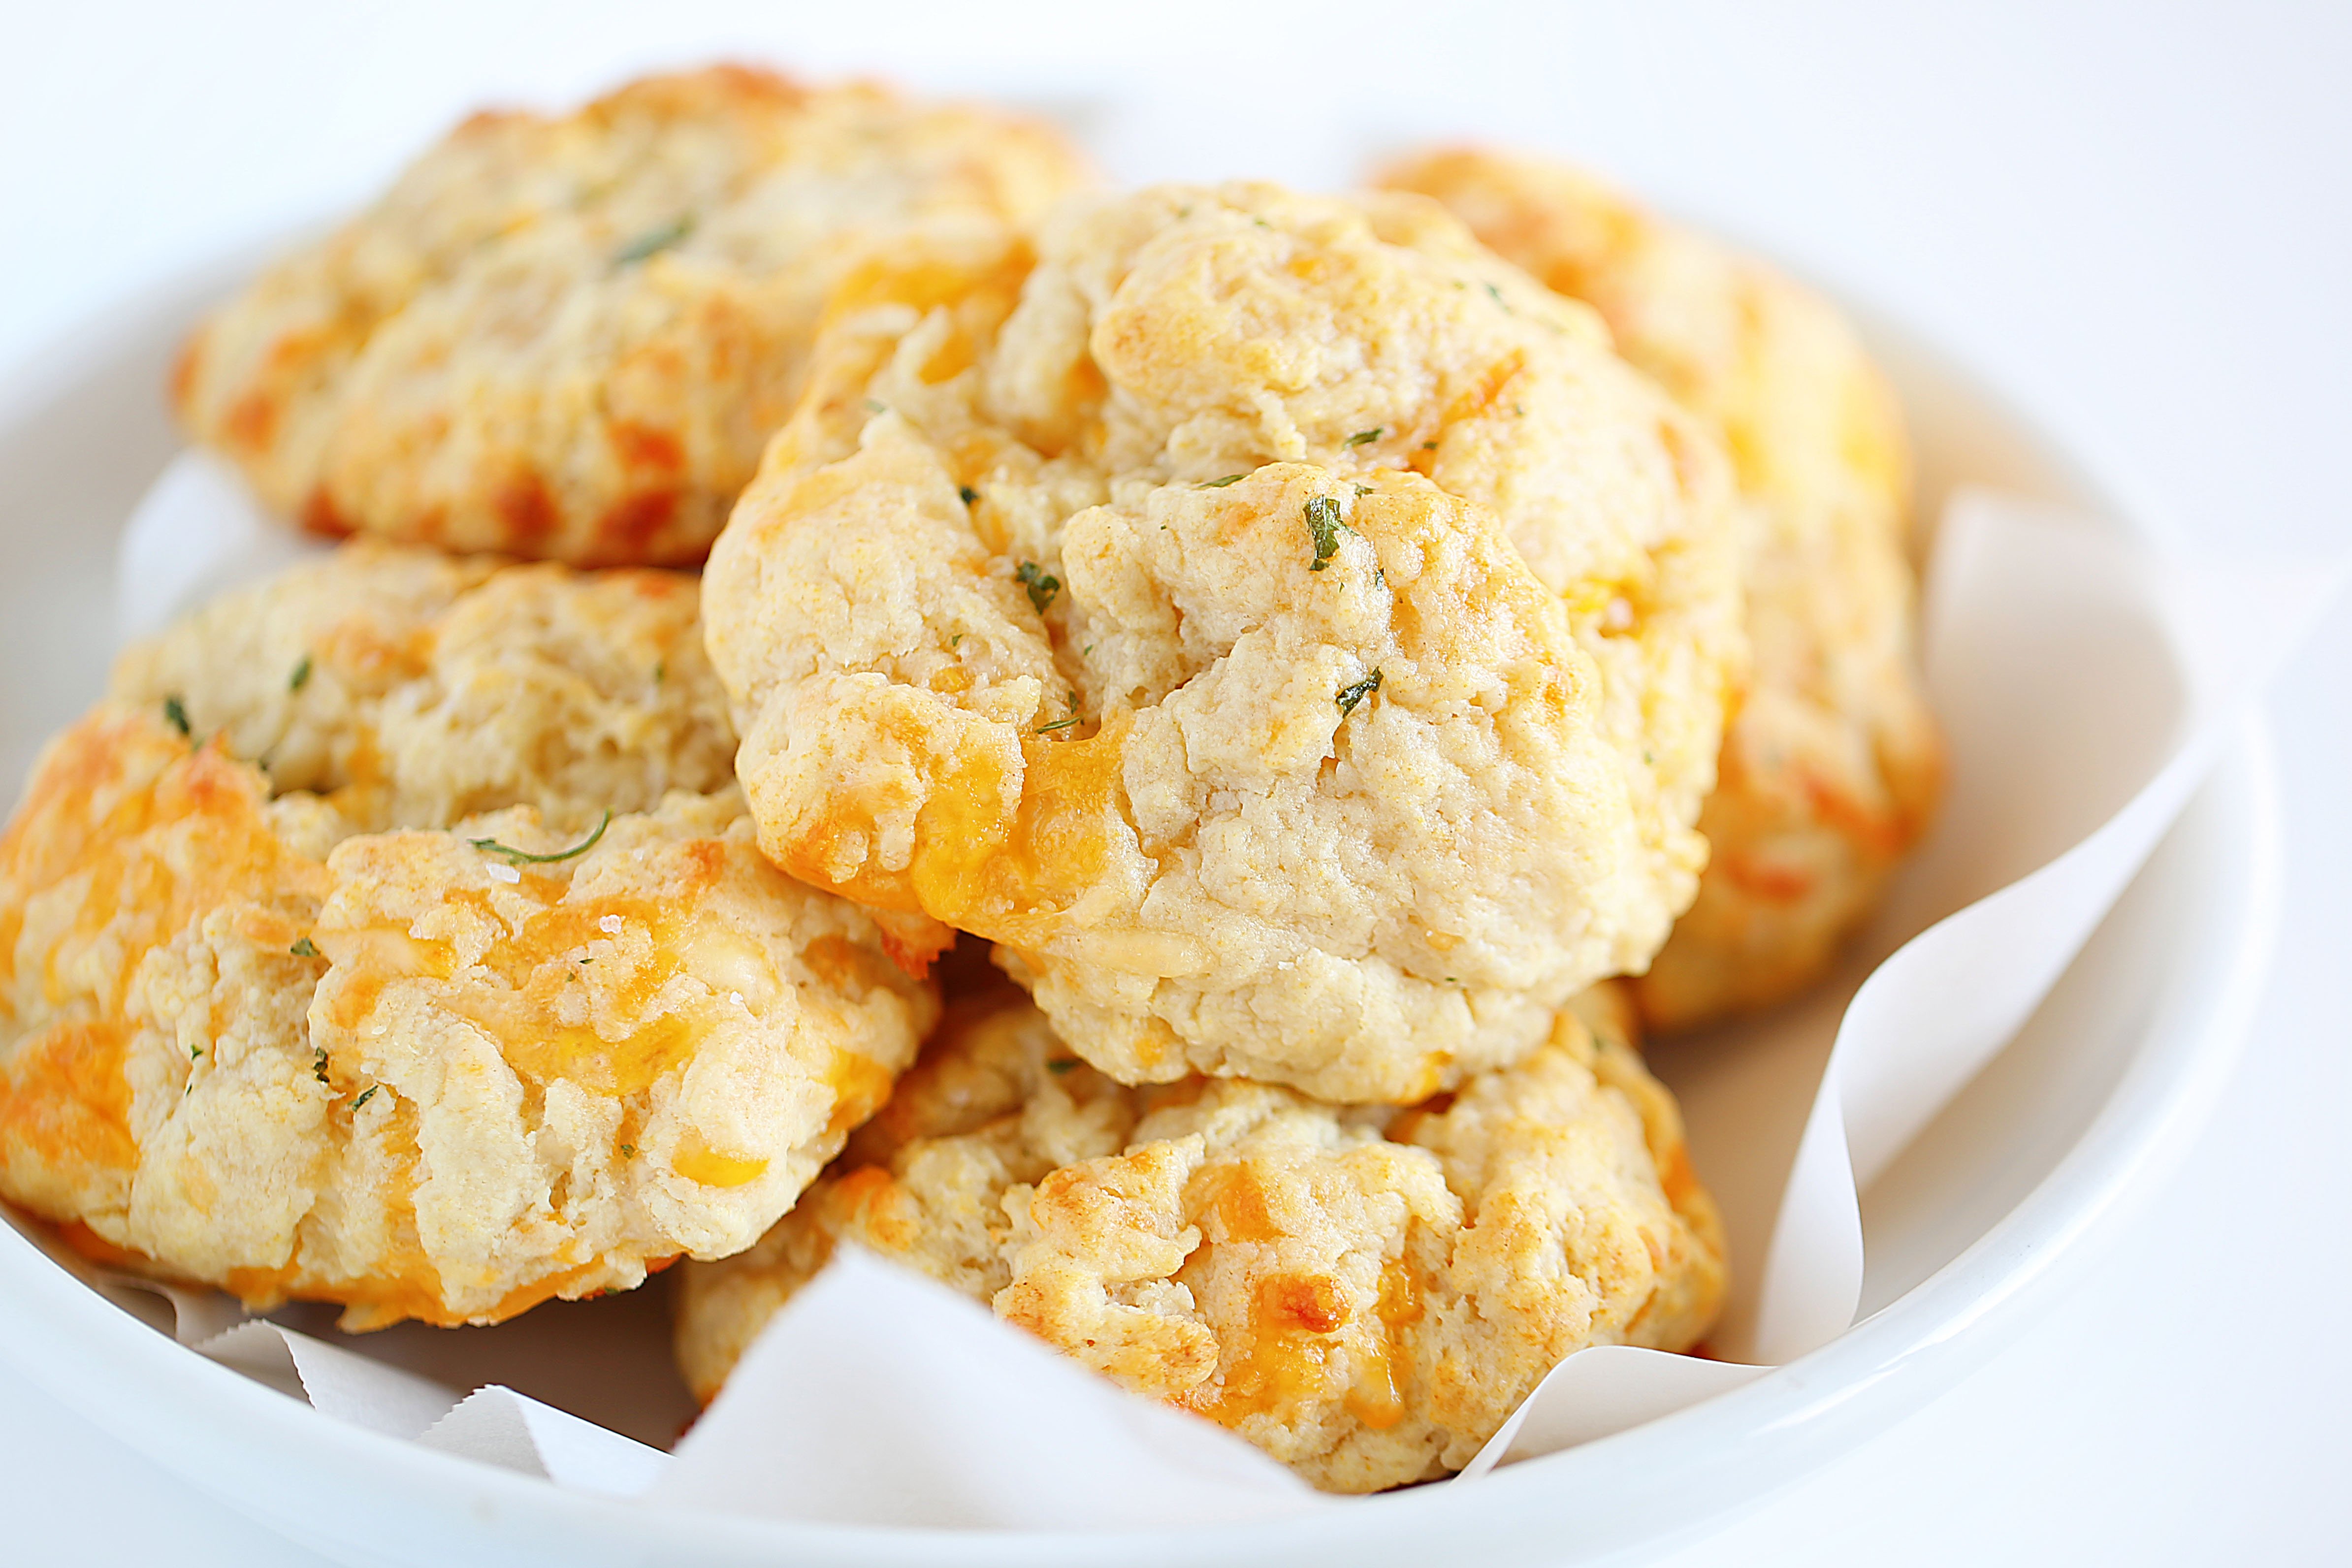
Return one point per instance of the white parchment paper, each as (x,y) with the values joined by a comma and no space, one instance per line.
(2086,683)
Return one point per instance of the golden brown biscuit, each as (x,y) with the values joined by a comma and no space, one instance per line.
(1830,769)
(417,688)
(443,1072)
(1364,1292)
(1288,630)
(567,337)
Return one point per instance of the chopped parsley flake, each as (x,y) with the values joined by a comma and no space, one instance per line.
(1500,300)
(1323,527)
(628,1151)
(654,240)
(365,1095)
(955,641)
(968,492)
(1349,696)
(195,1051)
(1362,437)
(1057,724)
(301,675)
(318,1064)
(1061,1064)
(875,405)
(1220,484)
(492,846)
(661,668)
(1042,584)
(176,714)
(1429,446)
(305,948)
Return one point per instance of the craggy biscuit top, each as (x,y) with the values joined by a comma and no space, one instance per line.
(568,336)
(1288,632)
(440,1071)
(1364,1292)
(415,688)
(1832,766)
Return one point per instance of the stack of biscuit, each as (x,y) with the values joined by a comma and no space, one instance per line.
(1347,662)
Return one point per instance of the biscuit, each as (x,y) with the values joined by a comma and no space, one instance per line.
(1288,632)
(567,337)
(1364,1292)
(434,1071)
(414,688)
(1832,768)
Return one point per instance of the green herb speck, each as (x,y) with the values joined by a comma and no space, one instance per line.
(195,1051)
(363,1096)
(1042,585)
(492,846)
(1349,696)
(955,641)
(1500,300)
(301,675)
(875,405)
(318,1064)
(1057,724)
(1323,527)
(176,714)
(1061,1064)
(1220,484)
(305,948)
(661,670)
(1362,437)
(628,1151)
(653,241)
(968,492)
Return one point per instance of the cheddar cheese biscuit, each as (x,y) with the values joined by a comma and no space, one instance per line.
(1830,769)
(431,1069)
(1364,1292)
(568,336)
(1288,632)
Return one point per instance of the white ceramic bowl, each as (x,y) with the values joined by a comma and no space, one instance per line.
(1967,1234)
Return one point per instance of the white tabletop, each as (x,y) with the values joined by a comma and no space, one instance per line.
(2138,221)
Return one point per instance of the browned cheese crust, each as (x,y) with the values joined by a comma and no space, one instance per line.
(568,336)
(1287,630)
(1363,1292)
(1832,764)
(388,1030)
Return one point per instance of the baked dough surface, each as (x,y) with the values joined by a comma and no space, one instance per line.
(1288,632)
(567,336)
(287,1035)
(1362,1292)
(1830,769)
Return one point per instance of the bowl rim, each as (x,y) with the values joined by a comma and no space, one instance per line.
(146,1390)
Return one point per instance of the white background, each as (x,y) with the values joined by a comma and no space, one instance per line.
(2137,220)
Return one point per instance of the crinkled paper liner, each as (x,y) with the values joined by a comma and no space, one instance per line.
(2086,683)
